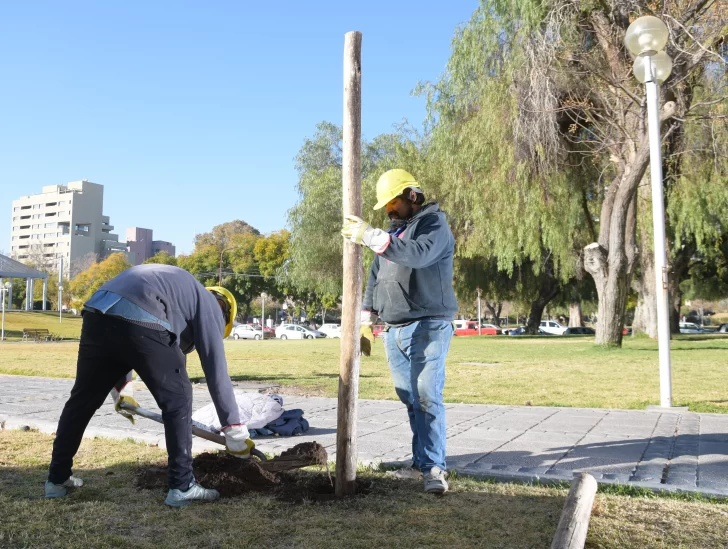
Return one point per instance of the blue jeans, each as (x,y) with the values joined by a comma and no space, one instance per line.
(416,354)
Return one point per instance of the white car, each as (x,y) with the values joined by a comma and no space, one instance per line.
(552,327)
(247,331)
(295,331)
(331,330)
(690,328)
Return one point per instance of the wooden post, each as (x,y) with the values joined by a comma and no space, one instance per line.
(574,522)
(346,453)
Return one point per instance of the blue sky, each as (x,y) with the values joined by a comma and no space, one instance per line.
(191,113)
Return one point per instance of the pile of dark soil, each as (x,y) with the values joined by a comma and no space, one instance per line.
(233,477)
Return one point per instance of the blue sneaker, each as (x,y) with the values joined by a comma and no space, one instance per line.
(61,490)
(178,498)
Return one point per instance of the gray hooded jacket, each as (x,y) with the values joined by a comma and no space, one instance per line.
(412,278)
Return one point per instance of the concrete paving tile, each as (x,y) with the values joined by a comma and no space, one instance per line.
(521,442)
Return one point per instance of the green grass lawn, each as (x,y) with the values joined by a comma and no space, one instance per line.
(538,371)
(110,511)
(68,328)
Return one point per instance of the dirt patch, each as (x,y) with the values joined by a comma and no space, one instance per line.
(233,477)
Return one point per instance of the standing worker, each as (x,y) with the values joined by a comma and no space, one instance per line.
(147,319)
(410,289)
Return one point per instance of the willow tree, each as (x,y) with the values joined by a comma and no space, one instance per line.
(562,144)
(315,245)
(532,218)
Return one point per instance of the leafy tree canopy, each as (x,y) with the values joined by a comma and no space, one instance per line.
(85,284)
(162,258)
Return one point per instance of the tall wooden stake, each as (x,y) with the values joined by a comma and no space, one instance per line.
(346,454)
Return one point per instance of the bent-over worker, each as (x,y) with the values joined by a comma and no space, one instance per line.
(147,319)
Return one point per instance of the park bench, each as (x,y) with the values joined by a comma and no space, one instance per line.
(36,334)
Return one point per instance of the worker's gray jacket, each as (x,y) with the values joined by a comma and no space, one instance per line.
(175,296)
(412,278)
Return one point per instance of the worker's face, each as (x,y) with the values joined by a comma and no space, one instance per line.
(399,209)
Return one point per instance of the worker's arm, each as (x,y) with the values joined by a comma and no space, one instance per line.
(208,328)
(431,242)
(367,304)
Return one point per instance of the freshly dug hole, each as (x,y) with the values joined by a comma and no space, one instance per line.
(233,477)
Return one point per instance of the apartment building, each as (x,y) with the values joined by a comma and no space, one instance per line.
(62,221)
(141,245)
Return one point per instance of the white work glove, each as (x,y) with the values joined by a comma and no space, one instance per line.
(238,441)
(366,333)
(126,395)
(360,232)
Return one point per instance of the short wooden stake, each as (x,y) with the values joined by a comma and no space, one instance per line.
(574,522)
(346,451)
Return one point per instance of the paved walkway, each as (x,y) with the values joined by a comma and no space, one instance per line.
(653,449)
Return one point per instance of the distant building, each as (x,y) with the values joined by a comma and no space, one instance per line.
(141,245)
(63,221)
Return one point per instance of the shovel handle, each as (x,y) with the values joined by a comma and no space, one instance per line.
(198,429)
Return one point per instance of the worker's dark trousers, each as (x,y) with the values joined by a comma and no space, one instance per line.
(109,349)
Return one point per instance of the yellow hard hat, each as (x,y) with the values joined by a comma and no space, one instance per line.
(391,184)
(228,305)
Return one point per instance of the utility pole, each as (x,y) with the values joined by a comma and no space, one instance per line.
(346,450)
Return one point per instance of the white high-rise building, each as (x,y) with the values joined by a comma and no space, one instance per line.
(63,221)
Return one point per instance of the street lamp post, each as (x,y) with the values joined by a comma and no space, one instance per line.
(262,315)
(479,316)
(4,290)
(645,39)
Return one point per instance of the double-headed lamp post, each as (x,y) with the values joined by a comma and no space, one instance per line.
(645,39)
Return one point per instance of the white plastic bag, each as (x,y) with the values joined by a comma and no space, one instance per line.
(256,411)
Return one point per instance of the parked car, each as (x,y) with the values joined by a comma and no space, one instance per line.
(490,329)
(248,331)
(377,329)
(296,331)
(723,329)
(579,331)
(267,330)
(331,330)
(552,327)
(465,328)
(521,330)
(690,328)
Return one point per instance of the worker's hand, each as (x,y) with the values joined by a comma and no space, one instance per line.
(360,232)
(238,441)
(125,396)
(366,333)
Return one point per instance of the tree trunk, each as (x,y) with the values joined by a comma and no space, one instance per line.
(549,288)
(645,315)
(575,315)
(495,309)
(675,304)
(534,318)
(680,269)
(610,260)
